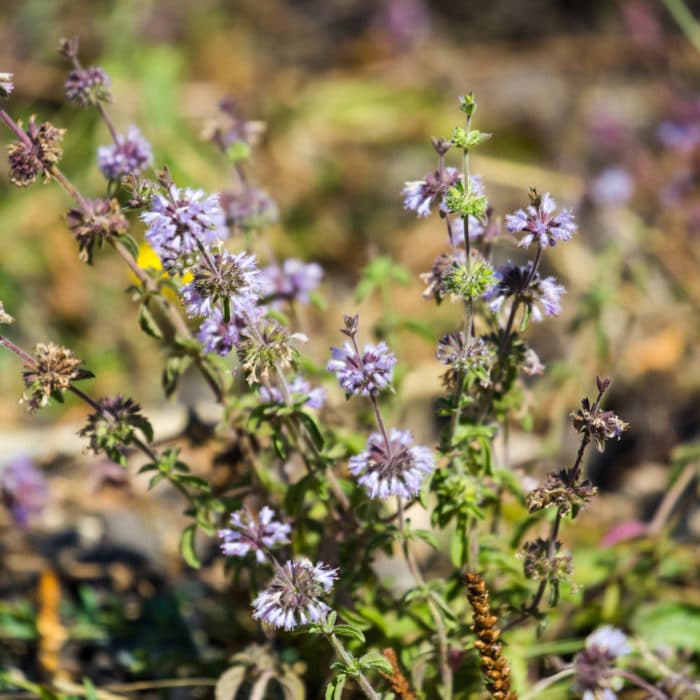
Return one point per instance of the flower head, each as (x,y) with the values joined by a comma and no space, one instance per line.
(540,224)
(564,490)
(396,469)
(231,133)
(27,160)
(250,534)
(267,350)
(420,195)
(88,86)
(182,221)
(222,278)
(249,210)
(313,398)
(366,375)
(292,598)
(24,489)
(594,665)
(294,280)
(540,295)
(453,351)
(94,222)
(53,370)
(130,155)
(599,425)
(6,84)
(221,336)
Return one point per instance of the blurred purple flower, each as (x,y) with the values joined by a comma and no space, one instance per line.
(250,534)
(292,598)
(396,469)
(221,336)
(420,195)
(612,187)
(24,489)
(130,155)
(293,281)
(315,398)
(249,210)
(539,222)
(88,86)
(367,375)
(594,665)
(6,84)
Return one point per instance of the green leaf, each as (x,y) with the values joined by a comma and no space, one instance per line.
(90,692)
(669,624)
(349,631)
(375,660)
(280,445)
(148,323)
(130,244)
(187,547)
(334,689)
(312,426)
(424,535)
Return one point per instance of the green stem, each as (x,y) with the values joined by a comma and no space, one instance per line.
(347,658)
(685,20)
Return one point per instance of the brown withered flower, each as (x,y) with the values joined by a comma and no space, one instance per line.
(28,160)
(598,425)
(94,222)
(538,565)
(52,372)
(494,665)
(563,490)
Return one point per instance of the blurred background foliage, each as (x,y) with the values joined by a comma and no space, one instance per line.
(351,91)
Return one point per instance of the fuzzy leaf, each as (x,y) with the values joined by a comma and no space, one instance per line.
(187,547)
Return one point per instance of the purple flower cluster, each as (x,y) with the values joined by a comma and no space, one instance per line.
(181,222)
(24,489)
(88,86)
(249,534)
(315,398)
(420,195)
(292,281)
(221,336)
(396,468)
(594,665)
(292,598)
(130,155)
(366,375)
(540,224)
(537,293)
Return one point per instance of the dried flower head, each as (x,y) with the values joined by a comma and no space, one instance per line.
(250,534)
(540,296)
(249,210)
(293,281)
(564,490)
(494,665)
(38,155)
(594,666)
(394,469)
(6,84)
(293,596)
(598,425)
(54,368)
(96,221)
(222,278)
(130,155)
(111,430)
(5,318)
(24,489)
(266,350)
(366,375)
(540,224)
(88,86)
(420,195)
(541,565)
(182,221)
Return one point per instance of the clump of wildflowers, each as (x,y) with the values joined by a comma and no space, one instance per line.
(88,86)
(38,156)
(300,387)
(130,155)
(111,429)
(250,534)
(94,222)
(222,278)
(293,596)
(540,224)
(594,666)
(537,294)
(53,370)
(393,467)
(6,85)
(24,489)
(292,281)
(180,222)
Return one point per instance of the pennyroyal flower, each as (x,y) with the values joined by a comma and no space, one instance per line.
(540,224)
(24,489)
(594,667)
(221,336)
(315,398)
(28,160)
(88,86)
(292,281)
(251,534)
(366,375)
(396,469)
(132,154)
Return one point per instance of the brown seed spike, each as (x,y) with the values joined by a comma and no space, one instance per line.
(494,665)
(397,680)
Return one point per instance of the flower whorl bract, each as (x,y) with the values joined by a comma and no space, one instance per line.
(366,375)
(250,534)
(267,349)
(396,469)
(130,155)
(53,370)
(539,223)
(94,222)
(28,160)
(293,596)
